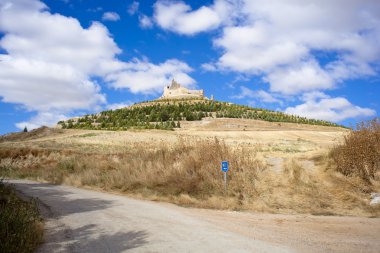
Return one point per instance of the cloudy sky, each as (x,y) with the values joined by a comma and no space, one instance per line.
(63,58)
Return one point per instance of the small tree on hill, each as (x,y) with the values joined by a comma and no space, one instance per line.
(25,129)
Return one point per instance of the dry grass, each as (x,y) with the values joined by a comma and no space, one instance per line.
(189,167)
(21,228)
(319,191)
(359,155)
(34,134)
(188,173)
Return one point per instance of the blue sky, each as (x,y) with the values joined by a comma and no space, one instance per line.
(64,58)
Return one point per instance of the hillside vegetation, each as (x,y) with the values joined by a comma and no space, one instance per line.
(167,115)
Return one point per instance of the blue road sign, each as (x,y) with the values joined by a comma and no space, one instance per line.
(224,166)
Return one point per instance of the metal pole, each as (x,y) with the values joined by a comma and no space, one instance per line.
(225,182)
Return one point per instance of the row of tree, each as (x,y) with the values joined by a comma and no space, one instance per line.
(167,116)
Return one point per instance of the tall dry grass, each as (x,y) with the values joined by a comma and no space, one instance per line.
(191,167)
(188,173)
(359,155)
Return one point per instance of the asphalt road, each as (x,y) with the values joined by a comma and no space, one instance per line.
(79,220)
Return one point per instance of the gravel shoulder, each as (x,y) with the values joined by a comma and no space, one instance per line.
(79,220)
(302,233)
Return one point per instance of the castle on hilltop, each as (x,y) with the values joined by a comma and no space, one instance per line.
(176,91)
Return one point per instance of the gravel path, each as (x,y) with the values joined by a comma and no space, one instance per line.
(79,220)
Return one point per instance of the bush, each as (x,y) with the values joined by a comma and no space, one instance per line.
(359,155)
(20,224)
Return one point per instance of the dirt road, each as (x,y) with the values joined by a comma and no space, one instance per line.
(79,220)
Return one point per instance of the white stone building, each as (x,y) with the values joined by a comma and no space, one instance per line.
(176,91)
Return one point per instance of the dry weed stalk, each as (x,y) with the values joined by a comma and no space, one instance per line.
(359,155)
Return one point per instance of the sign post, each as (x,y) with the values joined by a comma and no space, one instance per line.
(225,169)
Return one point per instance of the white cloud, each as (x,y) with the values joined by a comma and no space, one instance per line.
(133,8)
(252,50)
(267,97)
(43,86)
(50,58)
(179,17)
(118,105)
(278,40)
(315,95)
(110,16)
(320,106)
(306,76)
(51,61)
(209,67)
(42,119)
(145,21)
(144,77)
(58,39)
(261,95)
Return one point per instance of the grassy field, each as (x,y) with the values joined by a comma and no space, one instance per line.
(21,228)
(278,169)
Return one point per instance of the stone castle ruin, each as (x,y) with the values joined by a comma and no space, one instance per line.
(176,91)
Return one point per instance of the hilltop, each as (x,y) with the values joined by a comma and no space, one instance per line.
(275,167)
(278,162)
(169,114)
(179,104)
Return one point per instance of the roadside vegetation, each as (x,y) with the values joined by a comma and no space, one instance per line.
(359,155)
(188,173)
(21,228)
(167,116)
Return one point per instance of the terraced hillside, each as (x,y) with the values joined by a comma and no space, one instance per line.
(168,115)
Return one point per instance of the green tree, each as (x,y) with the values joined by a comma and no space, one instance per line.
(164,115)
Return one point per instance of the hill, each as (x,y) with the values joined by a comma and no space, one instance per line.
(282,169)
(278,163)
(167,114)
(274,167)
